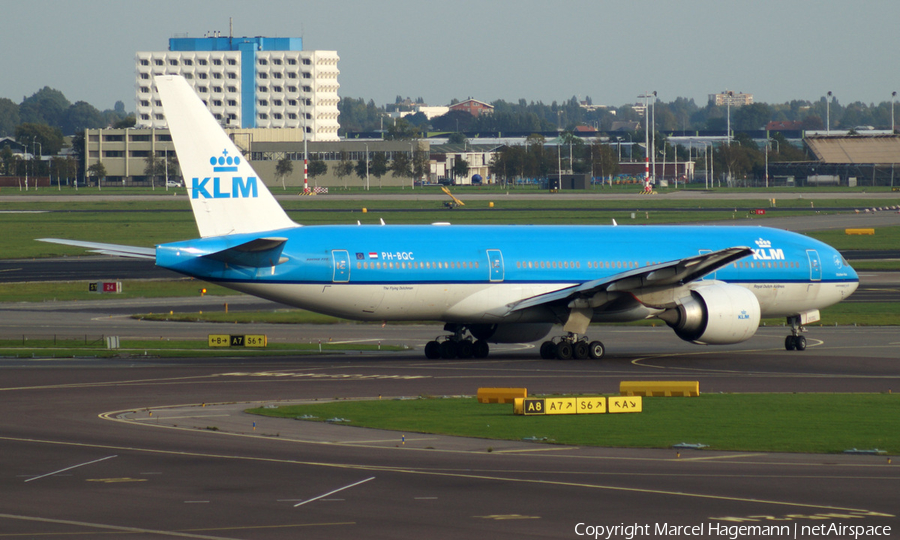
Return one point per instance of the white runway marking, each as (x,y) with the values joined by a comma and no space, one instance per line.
(333,492)
(69,468)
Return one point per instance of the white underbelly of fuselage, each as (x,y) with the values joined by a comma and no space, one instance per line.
(489,302)
(457,302)
(785,299)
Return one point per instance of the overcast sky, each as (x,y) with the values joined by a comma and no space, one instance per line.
(486,49)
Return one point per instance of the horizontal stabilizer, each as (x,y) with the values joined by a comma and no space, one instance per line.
(116,250)
(255,253)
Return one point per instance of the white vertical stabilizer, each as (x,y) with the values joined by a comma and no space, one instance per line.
(226,194)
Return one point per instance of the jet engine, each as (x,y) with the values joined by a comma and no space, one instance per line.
(510,333)
(715,315)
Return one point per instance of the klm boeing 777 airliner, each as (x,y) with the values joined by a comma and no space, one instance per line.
(488,284)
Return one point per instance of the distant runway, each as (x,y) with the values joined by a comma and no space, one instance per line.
(513,193)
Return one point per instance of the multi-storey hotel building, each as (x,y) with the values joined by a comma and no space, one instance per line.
(246,82)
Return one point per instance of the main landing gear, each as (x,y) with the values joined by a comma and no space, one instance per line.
(795,342)
(570,346)
(456,346)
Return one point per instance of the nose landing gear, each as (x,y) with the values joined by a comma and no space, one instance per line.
(795,342)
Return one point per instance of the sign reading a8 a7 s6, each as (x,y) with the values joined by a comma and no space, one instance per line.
(578,405)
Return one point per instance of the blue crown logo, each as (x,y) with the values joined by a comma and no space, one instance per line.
(225,163)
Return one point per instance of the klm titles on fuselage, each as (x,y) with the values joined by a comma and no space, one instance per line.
(768,254)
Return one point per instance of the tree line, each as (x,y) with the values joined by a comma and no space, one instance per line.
(681,114)
(49,107)
(378,165)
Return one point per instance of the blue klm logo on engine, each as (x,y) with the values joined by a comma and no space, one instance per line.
(744,315)
(240,187)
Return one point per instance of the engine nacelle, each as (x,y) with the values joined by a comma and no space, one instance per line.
(715,315)
(510,333)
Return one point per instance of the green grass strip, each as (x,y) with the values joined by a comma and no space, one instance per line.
(46,291)
(811,423)
(95,347)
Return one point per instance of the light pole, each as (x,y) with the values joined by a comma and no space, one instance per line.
(709,156)
(166,164)
(706,159)
(767,158)
(728,95)
(646,97)
(591,150)
(653,136)
(675,174)
(893,97)
(38,157)
(828,113)
(367,166)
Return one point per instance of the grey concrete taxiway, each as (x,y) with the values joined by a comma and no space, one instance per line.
(153,448)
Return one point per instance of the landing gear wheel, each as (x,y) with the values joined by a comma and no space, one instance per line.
(465,349)
(548,350)
(432,350)
(789,344)
(564,350)
(580,350)
(795,342)
(448,349)
(596,350)
(481,349)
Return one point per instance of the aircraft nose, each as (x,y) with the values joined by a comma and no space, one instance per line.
(850,274)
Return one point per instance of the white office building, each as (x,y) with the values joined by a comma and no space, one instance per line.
(247,83)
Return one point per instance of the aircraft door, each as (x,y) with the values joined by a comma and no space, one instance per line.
(495,261)
(340,260)
(815,267)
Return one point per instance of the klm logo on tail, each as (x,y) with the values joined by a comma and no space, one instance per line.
(240,187)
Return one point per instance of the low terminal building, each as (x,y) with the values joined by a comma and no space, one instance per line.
(126,156)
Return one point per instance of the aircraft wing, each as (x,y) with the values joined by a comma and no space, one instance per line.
(668,274)
(115,250)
